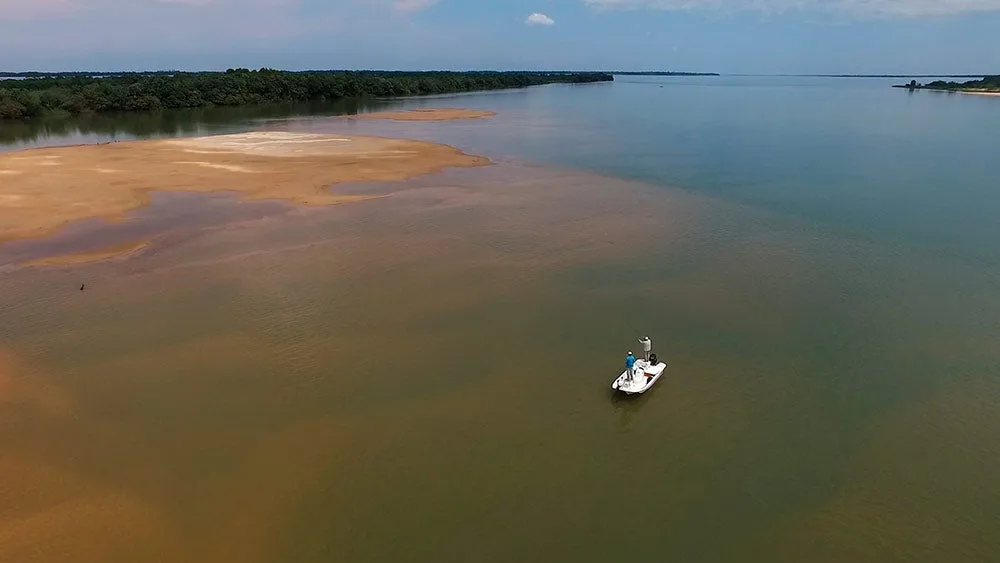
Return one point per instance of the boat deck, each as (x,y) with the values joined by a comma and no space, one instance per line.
(644,375)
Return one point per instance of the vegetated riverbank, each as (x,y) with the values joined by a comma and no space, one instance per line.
(988,85)
(37,97)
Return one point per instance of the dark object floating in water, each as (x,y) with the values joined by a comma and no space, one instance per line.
(81,286)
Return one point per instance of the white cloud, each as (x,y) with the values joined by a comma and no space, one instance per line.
(863,8)
(539,19)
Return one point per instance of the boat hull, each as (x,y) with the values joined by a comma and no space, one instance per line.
(645,376)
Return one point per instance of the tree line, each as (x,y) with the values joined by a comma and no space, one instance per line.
(987,83)
(991,83)
(76,94)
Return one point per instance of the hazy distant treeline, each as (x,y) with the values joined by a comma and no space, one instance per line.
(36,74)
(75,94)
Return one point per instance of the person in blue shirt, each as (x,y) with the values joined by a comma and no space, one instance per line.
(629,363)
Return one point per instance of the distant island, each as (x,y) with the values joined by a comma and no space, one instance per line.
(988,85)
(35,95)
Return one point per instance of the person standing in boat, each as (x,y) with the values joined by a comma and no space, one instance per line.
(629,364)
(647,345)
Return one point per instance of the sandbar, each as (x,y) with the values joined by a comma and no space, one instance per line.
(45,189)
(980,92)
(433,114)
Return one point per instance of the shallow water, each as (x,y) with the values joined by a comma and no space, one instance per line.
(426,376)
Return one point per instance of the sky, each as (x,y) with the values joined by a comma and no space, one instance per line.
(726,36)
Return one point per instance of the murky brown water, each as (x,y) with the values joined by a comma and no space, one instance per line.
(425,377)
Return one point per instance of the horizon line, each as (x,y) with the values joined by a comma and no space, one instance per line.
(620,71)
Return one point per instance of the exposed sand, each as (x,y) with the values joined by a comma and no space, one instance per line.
(108,253)
(980,92)
(45,189)
(437,114)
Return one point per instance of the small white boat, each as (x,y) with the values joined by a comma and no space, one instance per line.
(644,375)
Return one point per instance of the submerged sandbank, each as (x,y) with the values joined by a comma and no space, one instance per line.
(44,189)
(432,114)
(116,252)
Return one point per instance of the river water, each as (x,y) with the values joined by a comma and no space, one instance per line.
(426,376)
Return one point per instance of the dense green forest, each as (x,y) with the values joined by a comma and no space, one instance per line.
(989,83)
(78,94)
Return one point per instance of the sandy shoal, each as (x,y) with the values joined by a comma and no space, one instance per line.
(980,92)
(44,189)
(433,114)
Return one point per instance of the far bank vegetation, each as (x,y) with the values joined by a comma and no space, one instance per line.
(36,97)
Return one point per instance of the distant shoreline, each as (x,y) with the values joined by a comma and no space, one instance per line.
(988,92)
(168,73)
(888,75)
(986,86)
(136,74)
(39,95)
(952,90)
(665,73)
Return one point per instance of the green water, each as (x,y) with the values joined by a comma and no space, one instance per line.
(426,377)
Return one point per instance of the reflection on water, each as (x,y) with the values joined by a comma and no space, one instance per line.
(97,128)
(169,218)
(628,407)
